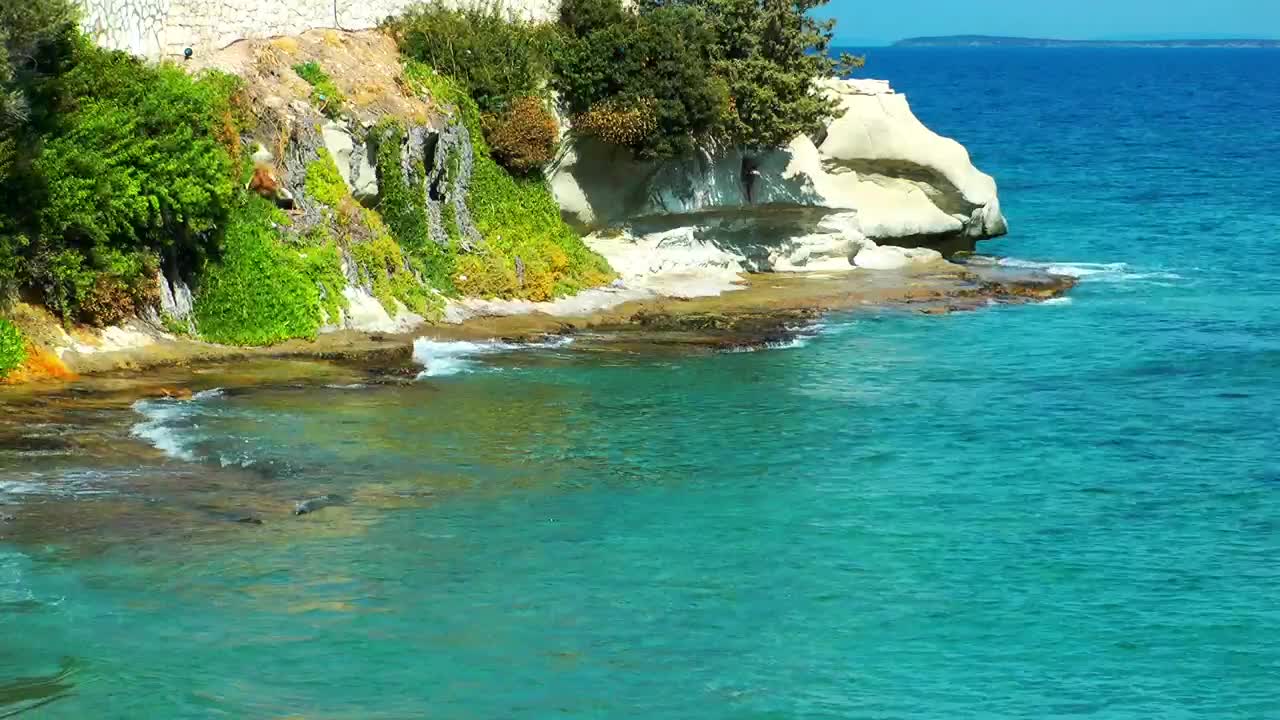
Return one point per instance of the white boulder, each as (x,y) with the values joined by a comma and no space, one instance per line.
(889,257)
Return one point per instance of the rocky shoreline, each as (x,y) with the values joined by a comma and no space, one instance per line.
(769,308)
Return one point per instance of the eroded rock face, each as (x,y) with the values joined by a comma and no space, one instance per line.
(906,184)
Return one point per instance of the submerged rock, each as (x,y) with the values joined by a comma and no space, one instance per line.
(304,507)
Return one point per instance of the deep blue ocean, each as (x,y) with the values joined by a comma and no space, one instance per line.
(1066,510)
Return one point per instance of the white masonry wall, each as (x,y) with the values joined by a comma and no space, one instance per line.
(160,29)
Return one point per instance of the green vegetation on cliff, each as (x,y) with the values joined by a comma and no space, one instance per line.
(261,291)
(13,347)
(404,208)
(529,252)
(663,77)
(325,94)
(670,75)
(381,266)
(125,168)
(526,249)
(119,164)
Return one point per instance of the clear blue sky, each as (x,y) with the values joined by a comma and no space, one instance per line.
(883,21)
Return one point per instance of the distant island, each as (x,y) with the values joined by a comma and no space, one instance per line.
(996,41)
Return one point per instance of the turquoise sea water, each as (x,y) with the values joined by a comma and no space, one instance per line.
(1051,511)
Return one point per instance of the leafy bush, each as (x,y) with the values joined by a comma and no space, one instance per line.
(13,347)
(524,138)
(583,17)
(495,56)
(324,182)
(671,75)
(121,162)
(654,67)
(620,124)
(528,251)
(324,93)
(260,291)
(35,40)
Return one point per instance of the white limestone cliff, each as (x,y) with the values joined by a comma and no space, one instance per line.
(888,177)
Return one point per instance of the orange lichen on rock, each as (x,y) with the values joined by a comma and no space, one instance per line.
(41,364)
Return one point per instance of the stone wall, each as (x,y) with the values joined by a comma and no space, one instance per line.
(164,28)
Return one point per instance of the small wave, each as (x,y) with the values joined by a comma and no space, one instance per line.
(442,358)
(805,335)
(72,483)
(1057,301)
(168,421)
(793,343)
(1090,271)
(159,427)
(1074,269)
(15,487)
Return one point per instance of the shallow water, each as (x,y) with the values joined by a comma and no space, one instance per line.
(1061,510)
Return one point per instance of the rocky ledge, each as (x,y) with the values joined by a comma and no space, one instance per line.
(766,309)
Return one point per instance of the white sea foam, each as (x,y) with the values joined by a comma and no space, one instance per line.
(805,335)
(793,343)
(1057,301)
(158,428)
(168,423)
(65,483)
(1094,272)
(441,358)
(17,487)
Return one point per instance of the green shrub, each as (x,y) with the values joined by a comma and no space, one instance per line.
(261,291)
(519,219)
(658,63)
(324,182)
(583,17)
(11,246)
(495,56)
(382,265)
(124,162)
(13,347)
(620,123)
(36,37)
(103,286)
(525,137)
(671,75)
(324,92)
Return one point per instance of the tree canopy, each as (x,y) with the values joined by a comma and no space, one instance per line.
(739,72)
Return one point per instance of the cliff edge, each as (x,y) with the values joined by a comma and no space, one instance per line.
(875,176)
